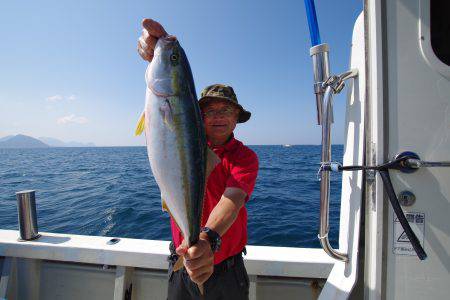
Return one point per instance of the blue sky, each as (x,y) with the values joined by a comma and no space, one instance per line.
(70,70)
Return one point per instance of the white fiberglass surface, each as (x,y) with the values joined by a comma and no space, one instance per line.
(419,106)
(152,254)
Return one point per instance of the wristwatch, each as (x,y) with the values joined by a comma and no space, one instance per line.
(214,238)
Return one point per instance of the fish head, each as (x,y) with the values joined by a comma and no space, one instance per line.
(169,73)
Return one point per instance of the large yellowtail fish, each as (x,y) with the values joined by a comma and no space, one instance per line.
(175,135)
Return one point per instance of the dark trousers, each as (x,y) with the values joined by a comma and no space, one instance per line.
(228,281)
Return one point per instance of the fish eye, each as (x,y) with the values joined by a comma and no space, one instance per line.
(174,57)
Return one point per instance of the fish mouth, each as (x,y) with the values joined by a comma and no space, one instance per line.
(164,43)
(168,38)
(158,81)
(159,76)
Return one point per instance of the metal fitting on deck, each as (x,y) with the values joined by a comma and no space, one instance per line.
(26,208)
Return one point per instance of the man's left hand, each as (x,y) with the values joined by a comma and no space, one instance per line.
(198,260)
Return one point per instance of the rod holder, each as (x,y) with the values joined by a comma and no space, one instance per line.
(321,69)
(26,208)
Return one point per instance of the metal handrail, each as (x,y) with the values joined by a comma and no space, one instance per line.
(324,88)
(325,178)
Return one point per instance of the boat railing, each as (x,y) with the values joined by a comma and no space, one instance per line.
(142,263)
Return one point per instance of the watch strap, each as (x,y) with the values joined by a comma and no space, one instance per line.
(213,237)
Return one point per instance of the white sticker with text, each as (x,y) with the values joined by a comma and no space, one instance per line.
(402,245)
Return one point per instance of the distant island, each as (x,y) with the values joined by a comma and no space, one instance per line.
(52,142)
(24,141)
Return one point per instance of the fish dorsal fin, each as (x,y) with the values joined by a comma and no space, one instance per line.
(212,160)
(178,264)
(140,125)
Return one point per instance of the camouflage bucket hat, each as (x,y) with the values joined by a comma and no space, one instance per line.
(224,93)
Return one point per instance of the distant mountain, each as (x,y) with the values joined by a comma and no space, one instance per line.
(21,141)
(52,142)
(58,143)
(6,137)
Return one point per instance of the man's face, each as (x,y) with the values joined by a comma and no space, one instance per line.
(220,119)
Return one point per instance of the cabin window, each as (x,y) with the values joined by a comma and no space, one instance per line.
(440,29)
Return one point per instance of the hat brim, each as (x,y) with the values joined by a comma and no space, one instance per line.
(244,115)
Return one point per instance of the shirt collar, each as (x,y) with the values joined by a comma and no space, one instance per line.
(232,142)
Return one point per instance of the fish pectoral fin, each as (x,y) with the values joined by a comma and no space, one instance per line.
(167,113)
(140,125)
(212,160)
(178,264)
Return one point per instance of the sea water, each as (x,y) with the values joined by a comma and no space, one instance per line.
(110,191)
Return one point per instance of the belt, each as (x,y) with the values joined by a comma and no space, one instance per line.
(224,265)
(228,263)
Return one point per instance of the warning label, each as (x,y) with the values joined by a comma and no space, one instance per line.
(403,238)
(402,246)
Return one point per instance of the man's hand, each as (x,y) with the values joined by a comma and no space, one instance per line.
(151,32)
(198,259)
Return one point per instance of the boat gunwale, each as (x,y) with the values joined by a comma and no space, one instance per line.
(152,254)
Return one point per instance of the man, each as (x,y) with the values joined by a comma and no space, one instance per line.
(216,260)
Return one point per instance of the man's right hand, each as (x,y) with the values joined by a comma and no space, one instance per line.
(151,32)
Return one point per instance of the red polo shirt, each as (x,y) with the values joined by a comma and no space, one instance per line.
(238,168)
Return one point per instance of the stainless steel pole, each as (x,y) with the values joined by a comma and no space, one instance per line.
(26,208)
(321,69)
(325,178)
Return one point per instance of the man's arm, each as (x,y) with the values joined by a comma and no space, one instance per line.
(199,259)
(226,211)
